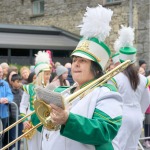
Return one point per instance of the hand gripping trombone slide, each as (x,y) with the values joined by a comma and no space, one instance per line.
(45,97)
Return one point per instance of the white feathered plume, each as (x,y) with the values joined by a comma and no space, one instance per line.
(117,46)
(96,23)
(126,37)
(42,56)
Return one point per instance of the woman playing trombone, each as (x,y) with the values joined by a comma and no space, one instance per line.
(92,120)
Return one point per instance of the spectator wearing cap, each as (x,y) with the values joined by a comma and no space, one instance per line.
(61,76)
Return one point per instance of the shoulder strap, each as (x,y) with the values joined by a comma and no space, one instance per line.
(61,89)
(111,87)
(26,88)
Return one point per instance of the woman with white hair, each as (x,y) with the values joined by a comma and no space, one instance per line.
(5,68)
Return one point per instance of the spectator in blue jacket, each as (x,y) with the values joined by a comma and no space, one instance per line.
(6,97)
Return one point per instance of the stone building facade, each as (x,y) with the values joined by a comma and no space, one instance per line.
(67,14)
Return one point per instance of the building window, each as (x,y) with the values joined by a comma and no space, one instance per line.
(38,7)
(61,53)
(111,2)
(3,52)
(19,52)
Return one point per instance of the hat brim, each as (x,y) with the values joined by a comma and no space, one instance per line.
(81,55)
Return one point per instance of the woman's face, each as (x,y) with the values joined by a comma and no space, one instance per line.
(46,76)
(65,75)
(25,74)
(81,71)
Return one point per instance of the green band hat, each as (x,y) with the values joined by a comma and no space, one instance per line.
(128,53)
(125,42)
(42,62)
(94,29)
(93,50)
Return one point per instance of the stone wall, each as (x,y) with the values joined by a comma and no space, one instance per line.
(143,30)
(67,14)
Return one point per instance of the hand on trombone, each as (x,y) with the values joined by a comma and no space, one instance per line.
(58,115)
(27,125)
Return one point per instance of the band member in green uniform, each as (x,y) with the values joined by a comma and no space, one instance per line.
(91,121)
(42,71)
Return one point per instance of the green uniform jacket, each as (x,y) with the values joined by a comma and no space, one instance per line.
(98,131)
(29,89)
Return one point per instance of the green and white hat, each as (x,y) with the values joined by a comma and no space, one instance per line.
(42,62)
(94,29)
(127,53)
(93,50)
(125,41)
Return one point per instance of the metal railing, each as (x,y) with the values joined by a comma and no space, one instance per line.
(14,116)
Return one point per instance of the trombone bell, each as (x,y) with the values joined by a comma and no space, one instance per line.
(43,111)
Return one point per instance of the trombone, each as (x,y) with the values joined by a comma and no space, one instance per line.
(44,115)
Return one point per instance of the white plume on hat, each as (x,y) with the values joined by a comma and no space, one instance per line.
(42,56)
(115,56)
(42,62)
(96,23)
(125,44)
(94,29)
(117,46)
(126,37)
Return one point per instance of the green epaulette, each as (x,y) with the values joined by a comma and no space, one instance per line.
(114,82)
(26,88)
(111,87)
(61,89)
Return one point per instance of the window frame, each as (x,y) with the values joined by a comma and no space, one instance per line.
(105,2)
(38,3)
